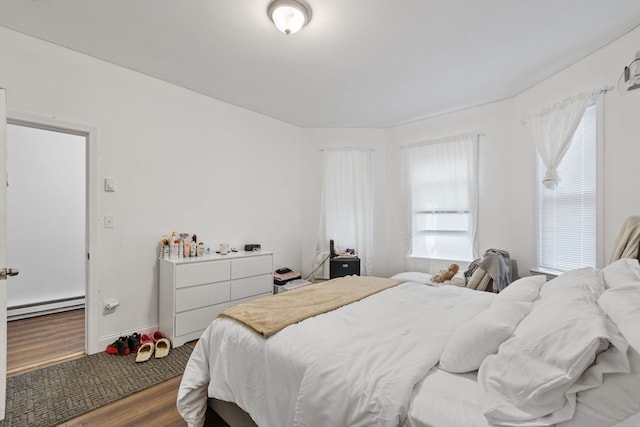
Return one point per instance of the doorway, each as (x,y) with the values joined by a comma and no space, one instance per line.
(47,229)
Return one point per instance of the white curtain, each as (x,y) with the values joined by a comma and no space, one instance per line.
(441,197)
(346,215)
(552,130)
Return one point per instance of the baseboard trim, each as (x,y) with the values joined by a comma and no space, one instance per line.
(25,311)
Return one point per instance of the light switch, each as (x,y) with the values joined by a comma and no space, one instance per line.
(109,184)
(109,222)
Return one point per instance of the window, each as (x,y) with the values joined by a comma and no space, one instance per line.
(347,203)
(442,187)
(567,215)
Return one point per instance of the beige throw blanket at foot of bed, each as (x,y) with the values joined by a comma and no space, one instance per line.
(270,314)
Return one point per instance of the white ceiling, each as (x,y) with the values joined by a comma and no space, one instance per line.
(359,63)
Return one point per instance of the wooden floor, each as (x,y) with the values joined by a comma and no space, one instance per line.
(46,340)
(40,341)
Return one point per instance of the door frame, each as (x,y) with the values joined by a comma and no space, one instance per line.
(92,221)
(3,252)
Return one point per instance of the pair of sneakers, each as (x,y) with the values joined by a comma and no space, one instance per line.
(155,344)
(124,345)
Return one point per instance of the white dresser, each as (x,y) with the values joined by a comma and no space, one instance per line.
(193,291)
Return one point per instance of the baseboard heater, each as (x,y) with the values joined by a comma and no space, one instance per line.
(25,311)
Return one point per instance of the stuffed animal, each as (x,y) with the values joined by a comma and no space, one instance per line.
(446,274)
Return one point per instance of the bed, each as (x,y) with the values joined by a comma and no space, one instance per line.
(563,352)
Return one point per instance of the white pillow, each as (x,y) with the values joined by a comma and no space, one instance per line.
(414,276)
(459,279)
(530,379)
(481,336)
(621,273)
(581,278)
(524,289)
(622,305)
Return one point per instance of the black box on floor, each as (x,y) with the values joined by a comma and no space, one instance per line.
(344,266)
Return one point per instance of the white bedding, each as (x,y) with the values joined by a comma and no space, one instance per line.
(374,362)
(443,399)
(354,358)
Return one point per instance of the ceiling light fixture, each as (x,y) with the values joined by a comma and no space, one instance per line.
(289,16)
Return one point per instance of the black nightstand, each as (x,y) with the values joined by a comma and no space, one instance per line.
(344,266)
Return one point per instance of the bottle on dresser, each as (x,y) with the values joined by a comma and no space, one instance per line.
(174,245)
(193,248)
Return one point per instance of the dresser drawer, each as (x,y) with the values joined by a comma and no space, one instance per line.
(198,273)
(202,295)
(250,286)
(197,320)
(251,298)
(253,266)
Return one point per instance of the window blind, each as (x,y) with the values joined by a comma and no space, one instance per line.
(567,223)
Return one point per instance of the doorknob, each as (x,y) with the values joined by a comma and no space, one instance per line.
(8,272)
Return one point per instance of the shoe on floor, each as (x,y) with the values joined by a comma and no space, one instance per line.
(119,347)
(146,349)
(162,344)
(133,341)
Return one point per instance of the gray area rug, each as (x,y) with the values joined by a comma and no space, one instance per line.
(55,394)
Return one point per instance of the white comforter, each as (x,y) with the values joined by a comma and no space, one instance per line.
(349,367)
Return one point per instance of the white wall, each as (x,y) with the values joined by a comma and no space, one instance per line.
(182,162)
(507,164)
(507,157)
(621,143)
(494,171)
(189,163)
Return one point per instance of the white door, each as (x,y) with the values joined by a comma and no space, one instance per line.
(3,252)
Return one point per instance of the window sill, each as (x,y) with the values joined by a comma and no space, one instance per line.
(549,273)
(426,258)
